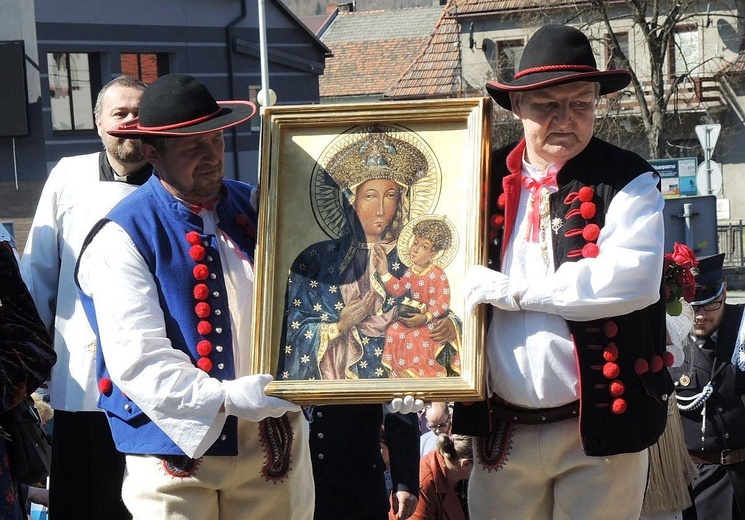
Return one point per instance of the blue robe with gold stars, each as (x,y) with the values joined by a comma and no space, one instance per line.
(323,279)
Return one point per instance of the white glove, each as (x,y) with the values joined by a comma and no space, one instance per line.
(245,398)
(678,329)
(406,405)
(484,285)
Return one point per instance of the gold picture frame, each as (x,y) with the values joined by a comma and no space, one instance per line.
(369,216)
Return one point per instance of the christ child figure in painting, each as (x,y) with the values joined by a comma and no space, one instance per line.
(409,349)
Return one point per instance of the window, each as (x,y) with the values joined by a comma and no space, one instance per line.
(613,54)
(253,93)
(508,58)
(684,54)
(146,67)
(70,89)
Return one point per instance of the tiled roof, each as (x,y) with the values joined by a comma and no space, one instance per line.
(367,68)
(371,49)
(437,70)
(382,25)
(475,7)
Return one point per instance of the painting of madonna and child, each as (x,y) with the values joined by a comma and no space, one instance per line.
(372,225)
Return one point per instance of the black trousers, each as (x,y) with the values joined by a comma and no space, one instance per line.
(87,471)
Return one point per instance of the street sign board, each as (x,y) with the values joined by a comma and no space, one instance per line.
(705,184)
(707,136)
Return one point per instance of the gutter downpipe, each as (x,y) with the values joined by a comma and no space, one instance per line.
(231,81)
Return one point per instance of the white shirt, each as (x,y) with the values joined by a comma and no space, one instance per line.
(530,353)
(182,399)
(72,201)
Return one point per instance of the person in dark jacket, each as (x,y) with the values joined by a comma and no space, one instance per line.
(575,346)
(710,386)
(26,360)
(348,467)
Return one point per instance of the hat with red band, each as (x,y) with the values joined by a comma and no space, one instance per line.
(177,105)
(554,55)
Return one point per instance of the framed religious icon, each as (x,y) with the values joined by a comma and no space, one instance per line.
(370,215)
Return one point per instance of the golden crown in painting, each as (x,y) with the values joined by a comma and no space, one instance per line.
(436,230)
(377,156)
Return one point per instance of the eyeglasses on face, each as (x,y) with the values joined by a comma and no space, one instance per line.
(709,307)
(439,426)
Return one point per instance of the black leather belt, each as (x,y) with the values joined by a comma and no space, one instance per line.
(724,457)
(507,412)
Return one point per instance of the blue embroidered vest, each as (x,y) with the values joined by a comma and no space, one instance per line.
(188,272)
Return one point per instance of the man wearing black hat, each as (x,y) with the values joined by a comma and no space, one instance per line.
(710,386)
(577,329)
(167,282)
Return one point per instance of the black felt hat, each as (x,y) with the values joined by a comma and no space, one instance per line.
(710,279)
(177,105)
(554,55)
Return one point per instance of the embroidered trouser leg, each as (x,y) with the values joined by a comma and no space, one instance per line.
(224,488)
(546,476)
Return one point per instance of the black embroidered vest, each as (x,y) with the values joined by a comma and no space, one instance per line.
(624,384)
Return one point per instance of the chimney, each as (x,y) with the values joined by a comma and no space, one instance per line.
(331,7)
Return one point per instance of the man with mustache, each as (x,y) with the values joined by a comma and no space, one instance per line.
(167,280)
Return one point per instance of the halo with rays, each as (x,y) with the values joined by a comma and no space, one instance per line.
(406,237)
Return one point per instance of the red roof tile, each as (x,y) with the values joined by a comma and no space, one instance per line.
(367,67)
(437,70)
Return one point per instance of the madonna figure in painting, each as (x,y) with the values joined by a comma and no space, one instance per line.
(337,310)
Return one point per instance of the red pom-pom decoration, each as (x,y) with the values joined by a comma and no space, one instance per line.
(242,220)
(501,200)
(193,238)
(668,358)
(586,194)
(493,234)
(591,232)
(201,272)
(202,309)
(611,370)
(197,253)
(204,347)
(655,364)
(641,366)
(616,388)
(590,250)
(496,221)
(201,291)
(587,210)
(204,327)
(610,329)
(205,364)
(105,386)
(618,406)
(610,353)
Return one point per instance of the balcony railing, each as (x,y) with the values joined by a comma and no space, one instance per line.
(692,94)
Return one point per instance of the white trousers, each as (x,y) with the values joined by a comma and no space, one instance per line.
(224,488)
(547,476)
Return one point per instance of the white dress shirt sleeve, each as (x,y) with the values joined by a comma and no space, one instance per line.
(626,274)
(183,400)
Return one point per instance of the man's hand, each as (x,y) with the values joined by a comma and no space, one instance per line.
(245,398)
(404,504)
(484,285)
(406,405)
